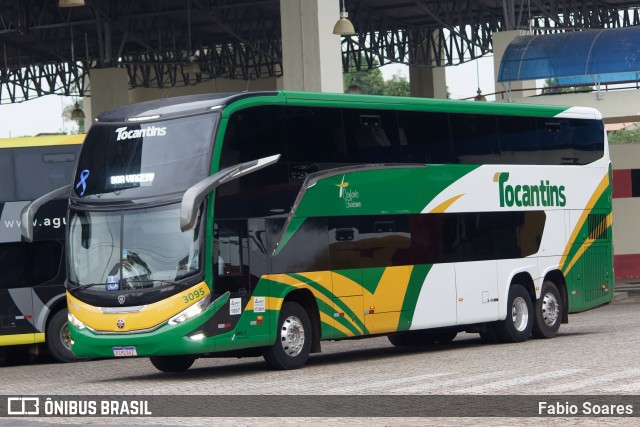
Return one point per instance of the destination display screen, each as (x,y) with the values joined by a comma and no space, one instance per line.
(131,160)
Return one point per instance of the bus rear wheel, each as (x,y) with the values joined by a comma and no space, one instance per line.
(293,339)
(548,312)
(58,338)
(519,322)
(172,363)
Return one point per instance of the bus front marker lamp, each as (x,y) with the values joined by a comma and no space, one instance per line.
(191,312)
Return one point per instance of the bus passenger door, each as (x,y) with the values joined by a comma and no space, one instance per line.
(231,274)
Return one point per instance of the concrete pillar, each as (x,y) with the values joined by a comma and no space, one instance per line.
(311,53)
(428,82)
(518,89)
(109,89)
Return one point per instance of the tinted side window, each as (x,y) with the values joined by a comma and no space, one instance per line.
(588,142)
(385,241)
(306,251)
(314,135)
(475,138)
(29,264)
(520,141)
(425,137)
(252,134)
(40,170)
(373,136)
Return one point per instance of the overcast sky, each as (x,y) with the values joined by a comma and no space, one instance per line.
(44,115)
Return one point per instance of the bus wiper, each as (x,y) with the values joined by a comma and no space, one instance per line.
(88,285)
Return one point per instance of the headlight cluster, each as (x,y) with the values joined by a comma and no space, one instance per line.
(192,311)
(75,322)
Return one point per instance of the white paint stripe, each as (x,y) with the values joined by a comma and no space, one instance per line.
(450,383)
(386,384)
(519,380)
(589,382)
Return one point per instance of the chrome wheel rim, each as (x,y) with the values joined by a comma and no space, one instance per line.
(550,309)
(65,337)
(292,336)
(520,314)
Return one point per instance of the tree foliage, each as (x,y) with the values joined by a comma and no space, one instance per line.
(371,82)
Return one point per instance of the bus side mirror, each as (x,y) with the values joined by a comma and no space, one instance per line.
(29,212)
(194,196)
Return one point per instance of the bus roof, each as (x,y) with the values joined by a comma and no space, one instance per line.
(194,104)
(41,141)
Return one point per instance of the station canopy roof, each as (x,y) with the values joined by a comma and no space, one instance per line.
(584,57)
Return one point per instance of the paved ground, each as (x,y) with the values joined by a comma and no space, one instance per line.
(597,353)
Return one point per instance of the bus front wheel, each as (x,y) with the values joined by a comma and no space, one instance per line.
(172,363)
(519,322)
(293,339)
(548,314)
(58,338)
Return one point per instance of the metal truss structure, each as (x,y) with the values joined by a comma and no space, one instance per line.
(50,50)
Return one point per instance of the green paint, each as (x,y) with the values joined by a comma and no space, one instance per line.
(418,276)
(382,191)
(290,230)
(371,278)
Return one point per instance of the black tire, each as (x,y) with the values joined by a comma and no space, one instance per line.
(519,322)
(548,312)
(488,335)
(58,338)
(172,363)
(412,338)
(293,339)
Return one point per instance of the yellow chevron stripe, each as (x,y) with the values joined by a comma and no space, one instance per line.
(325,318)
(445,205)
(389,295)
(319,277)
(583,217)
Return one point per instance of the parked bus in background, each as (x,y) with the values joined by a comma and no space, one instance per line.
(32,295)
(263,223)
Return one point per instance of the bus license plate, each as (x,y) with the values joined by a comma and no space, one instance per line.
(125,351)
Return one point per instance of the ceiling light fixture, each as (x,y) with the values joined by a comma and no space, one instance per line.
(70,3)
(344,27)
(77,113)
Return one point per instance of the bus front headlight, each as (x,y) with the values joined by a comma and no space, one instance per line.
(192,311)
(75,322)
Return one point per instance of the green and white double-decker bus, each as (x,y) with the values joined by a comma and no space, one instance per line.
(264,223)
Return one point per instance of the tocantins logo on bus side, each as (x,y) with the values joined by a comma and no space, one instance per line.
(349,196)
(542,194)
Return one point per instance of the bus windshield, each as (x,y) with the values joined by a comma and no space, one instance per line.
(145,159)
(128,250)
